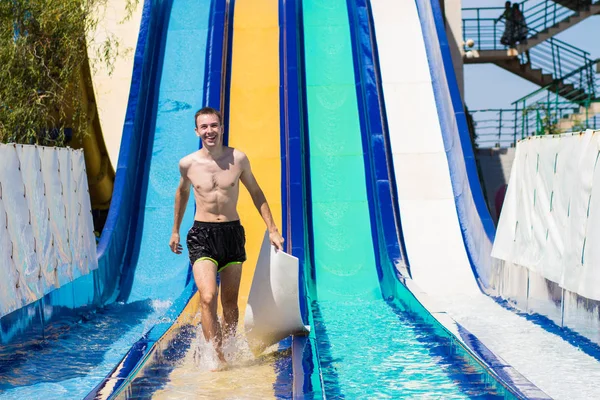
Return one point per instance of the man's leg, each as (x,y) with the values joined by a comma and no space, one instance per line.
(205,275)
(230,287)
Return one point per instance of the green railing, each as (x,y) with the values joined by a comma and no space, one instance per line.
(583,82)
(501,128)
(485,25)
(544,111)
(556,57)
(495,127)
(552,56)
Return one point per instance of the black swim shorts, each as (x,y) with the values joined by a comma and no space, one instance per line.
(220,242)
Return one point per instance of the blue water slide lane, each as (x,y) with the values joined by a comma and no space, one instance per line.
(305,370)
(476,224)
(122,374)
(73,300)
(395,285)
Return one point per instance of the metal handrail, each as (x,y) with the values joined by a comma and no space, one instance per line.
(539,15)
(586,70)
(553,56)
(501,128)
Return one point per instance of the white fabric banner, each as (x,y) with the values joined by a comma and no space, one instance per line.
(46,228)
(551,212)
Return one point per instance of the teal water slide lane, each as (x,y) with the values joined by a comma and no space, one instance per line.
(343,250)
(365,344)
(152,277)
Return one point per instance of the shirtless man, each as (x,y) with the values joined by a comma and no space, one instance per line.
(216,241)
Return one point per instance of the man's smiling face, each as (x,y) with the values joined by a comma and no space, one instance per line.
(209,129)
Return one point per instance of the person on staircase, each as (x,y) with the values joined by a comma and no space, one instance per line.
(506,38)
(520,29)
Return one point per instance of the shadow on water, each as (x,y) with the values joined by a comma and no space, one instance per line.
(331,383)
(68,350)
(155,374)
(473,382)
(282,363)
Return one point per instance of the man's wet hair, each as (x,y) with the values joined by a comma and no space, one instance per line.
(207,111)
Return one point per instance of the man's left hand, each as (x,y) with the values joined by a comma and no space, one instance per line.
(276,240)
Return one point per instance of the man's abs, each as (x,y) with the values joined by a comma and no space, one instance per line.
(217,206)
(216,188)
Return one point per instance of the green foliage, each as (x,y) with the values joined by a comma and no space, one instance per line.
(541,119)
(579,125)
(44,59)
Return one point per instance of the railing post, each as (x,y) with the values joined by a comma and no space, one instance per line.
(523,116)
(500,128)
(553,55)
(479,30)
(556,103)
(515,126)
(559,74)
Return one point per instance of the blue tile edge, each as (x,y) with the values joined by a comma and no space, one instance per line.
(306,376)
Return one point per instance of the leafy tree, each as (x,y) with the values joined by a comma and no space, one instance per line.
(45,67)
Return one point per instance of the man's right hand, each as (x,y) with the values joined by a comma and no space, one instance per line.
(174,244)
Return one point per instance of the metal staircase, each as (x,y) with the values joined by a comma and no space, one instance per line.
(543,18)
(547,110)
(548,27)
(574,4)
(547,65)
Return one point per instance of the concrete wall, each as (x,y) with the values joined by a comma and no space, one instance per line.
(495,167)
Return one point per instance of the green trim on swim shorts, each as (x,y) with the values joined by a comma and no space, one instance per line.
(209,259)
(228,264)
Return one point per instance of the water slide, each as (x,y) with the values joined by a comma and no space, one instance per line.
(447,229)
(348,234)
(139,280)
(351,269)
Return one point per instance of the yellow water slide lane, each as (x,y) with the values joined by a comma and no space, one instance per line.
(254,118)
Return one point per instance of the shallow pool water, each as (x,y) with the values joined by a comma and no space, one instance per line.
(371,349)
(73,358)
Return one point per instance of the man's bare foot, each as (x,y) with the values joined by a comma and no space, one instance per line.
(221,356)
(222,362)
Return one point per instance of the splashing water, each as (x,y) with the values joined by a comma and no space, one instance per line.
(198,373)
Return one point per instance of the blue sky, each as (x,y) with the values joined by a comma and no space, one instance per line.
(488,86)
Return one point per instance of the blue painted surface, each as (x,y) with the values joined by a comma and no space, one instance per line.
(158,131)
(154,271)
(306,380)
(121,378)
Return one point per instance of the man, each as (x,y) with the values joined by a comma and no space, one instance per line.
(216,241)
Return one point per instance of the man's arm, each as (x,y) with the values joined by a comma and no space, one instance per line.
(260,202)
(182,194)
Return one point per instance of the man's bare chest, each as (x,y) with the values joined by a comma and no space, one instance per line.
(209,178)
